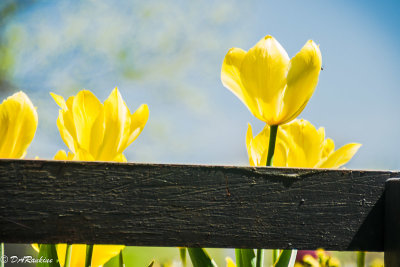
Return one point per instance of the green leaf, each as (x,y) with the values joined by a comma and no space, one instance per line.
(182,254)
(47,256)
(151,264)
(286,259)
(248,258)
(121,259)
(200,258)
(238,255)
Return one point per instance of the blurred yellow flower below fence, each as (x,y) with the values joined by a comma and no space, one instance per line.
(101,254)
(18,123)
(95,131)
(299,144)
(274,87)
(320,259)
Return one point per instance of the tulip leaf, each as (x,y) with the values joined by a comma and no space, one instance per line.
(200,258)
(182,254)
(48,255)
(248,258)
(239,260)
(286,259)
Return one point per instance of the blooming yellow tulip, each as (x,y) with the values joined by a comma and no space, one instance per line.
(273,87)
(298,144)
(18,123)
(96,131)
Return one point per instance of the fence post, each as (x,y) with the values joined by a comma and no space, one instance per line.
(392,222)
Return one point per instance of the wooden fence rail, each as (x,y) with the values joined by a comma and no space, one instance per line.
(199,206)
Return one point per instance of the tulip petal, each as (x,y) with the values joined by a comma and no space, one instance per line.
(103,253)
(59,100)
(306,143)
(263,74)
(18,123)
(65,122)
(280,155)
(328,148)
(78,254)
(85,109)
(117,126)
(138,121)
(83,155)
(61,155)
(120,158)
(340,156)
(302,79)
(230,77)
(230,262)
(67,135)
(257,147)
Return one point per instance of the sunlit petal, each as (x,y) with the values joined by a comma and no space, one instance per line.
(230,77)
(263,74)
(103,253)
(61,155)
(59,100)
(298,144)
(302,80)
(117,126)
(257,147)
(85,109)
(340,156)
(18,123)
(138,121)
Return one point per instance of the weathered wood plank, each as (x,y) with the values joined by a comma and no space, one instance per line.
(184,205)
(392,223)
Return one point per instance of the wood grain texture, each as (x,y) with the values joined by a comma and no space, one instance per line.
(392,223)
(191,206)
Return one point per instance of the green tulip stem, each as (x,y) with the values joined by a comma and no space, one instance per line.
(2,254)
(360,258)
(89,253)
(260,258)
(273,131)
(182,254)
(271,146)
(68,255)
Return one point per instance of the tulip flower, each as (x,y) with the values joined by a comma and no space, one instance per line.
(18,123)
(274,87)
(95,131)
(298,144)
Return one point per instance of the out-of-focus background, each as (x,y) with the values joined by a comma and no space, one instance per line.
(168,54)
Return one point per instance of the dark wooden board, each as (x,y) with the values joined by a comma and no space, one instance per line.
(191,206)
(392,223)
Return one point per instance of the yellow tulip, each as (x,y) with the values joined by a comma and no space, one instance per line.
(273,87)
(101,254)
(298,144)
(96,131)
(18,123)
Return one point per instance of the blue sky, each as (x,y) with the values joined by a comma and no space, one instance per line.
(168,54)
